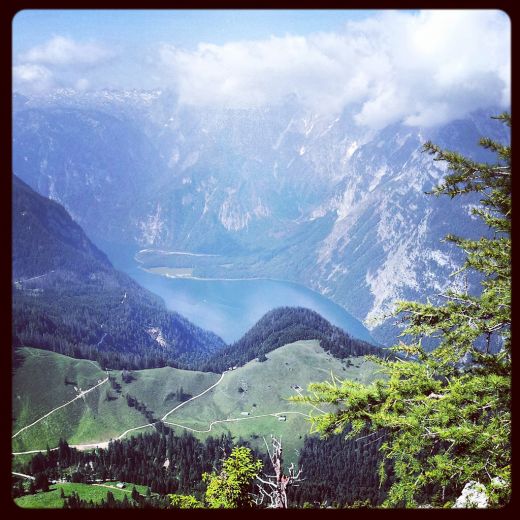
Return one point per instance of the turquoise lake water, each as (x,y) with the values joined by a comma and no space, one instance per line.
(231,307)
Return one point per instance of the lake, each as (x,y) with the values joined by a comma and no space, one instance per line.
(231,307)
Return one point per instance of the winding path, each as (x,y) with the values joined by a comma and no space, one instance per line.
(81,394)
(32,451)
(275,414)
(113,487)
(33,277)
(195,397)
(122,489)
(104,444)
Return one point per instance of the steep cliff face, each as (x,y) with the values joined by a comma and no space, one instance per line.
(291,194)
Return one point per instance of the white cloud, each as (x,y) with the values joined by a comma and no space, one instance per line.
(35,78)
(422,69)
(82,84)
(61,62)
(62,51)
(419,68)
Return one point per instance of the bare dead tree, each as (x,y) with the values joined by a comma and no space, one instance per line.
(273,488)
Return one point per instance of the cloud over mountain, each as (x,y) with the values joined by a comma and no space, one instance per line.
(423,69)
(58,62)
(38,76)
(63,51)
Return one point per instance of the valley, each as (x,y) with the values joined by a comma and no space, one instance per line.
(228,306)
(360,230)
(261,259)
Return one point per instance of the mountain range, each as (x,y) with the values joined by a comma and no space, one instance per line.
(276,192)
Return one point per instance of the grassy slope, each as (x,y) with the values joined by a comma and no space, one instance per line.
(266,388)
(156,387)
(51,498)
(38,387)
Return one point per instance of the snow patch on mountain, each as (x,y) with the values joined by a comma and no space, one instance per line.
(378,175)
(401,140)
(308,123)
(53,194)
(174,158)
(151,228)
(351,149)
(282,135)
(442,259)
(190,160)
(234,217)
(318,212)
(348,211)
(337,269)
(346,205)
(208,195)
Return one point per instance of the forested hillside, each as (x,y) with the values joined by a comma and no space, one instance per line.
(342,472)
(287,325)
(68,298)
(336,471)
(46,239)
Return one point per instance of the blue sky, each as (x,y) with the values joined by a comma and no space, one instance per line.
(418,67)
(180,27)
(135,35)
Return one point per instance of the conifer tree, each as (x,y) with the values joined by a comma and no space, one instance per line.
(185,502)
(446,412)
(232,486)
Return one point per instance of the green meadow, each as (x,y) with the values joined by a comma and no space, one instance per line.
(46,380)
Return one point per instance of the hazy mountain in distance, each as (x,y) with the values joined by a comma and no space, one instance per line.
(286,193)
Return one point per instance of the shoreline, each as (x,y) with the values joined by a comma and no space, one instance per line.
(161,251)
(298,285)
